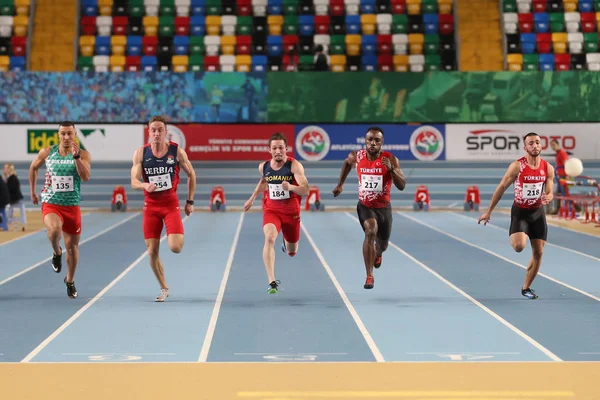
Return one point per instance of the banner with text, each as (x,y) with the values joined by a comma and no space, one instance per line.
(222,142)
(334,142)
(504,142)
(104,142)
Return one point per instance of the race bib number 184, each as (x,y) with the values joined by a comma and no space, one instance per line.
(276,192)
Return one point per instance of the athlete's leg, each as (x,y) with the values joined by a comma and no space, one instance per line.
(369,248)
(174,225)
(271,228)
(290,228)
(152,225)
(537,247)
(519,228)
(518,241)
(538,233)
(384,231)
(53,221)
(72,234)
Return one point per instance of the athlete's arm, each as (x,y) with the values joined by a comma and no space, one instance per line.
(136,173)
(261,186)
(397,174)
(509,178)
(84,165)
(347,166)
(548,195)
(302,187)
(33,171)
(186,165)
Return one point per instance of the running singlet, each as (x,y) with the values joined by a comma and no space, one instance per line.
(163,172)
(61,182)
(529,185)
(275,198)
(374,181)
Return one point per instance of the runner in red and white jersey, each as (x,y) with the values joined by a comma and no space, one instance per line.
(533,180)
(376,170)
(155,170)
(283,184)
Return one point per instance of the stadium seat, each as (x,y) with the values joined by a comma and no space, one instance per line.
(14,24)
(551,34)
(275,35)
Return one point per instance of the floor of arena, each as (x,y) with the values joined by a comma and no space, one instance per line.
(445,320)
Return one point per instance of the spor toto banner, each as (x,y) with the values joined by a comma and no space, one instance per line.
(504,142)
(334,142)
(220,142)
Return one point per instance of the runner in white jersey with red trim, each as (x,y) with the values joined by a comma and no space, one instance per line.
(533,180)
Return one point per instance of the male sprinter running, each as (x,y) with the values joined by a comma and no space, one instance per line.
(66,167)
(158,164)
(376,170)
(283,184)
(533,179)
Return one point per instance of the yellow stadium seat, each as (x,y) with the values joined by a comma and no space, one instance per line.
(20,23)
(368,23)
(559,42)
(22,7)
(515,62)
(117,63)
(105,7)
(570,5)
(400,63)
(353,44)
(118,44)
(4,63)
(150,25)
(213,25)
(598,17)
(445,6)
(86,45)
(413,7)
(243,63)
(180,63)
(415,43)
(275,23)
(228,45)
(338,63)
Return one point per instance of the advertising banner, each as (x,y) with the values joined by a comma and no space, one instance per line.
(104,142)
(334,142)
(504,142)
(221,142)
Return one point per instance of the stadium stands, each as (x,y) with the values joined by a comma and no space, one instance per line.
(14,23)
(551,34)
(271,35)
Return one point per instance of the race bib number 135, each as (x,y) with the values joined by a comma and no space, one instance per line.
(62,183)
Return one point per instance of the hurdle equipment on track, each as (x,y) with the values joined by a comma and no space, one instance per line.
(313,200)
(422,199)
(119,199)
(472,199)
(217,199)
(586,202)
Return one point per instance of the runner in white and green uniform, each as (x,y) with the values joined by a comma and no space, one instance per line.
(62,181)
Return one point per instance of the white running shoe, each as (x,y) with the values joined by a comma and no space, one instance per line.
(164,293)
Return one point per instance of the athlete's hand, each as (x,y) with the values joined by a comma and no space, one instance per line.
(547,198)
(338,189)
(485,218)
(74,148)
(386,161)
(285,185)
(35,199)
(149,187)
(189,208)
(248,204)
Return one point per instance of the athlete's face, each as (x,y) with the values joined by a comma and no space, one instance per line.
(278,150)
(374,140)
(533,145)
(157,131)
(67,135)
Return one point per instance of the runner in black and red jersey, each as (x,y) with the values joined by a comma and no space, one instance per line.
(376,170)
(283,183)
(533,181)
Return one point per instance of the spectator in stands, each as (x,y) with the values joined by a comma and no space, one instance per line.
(561,157)
(4,201)
(321,59)
(15,195)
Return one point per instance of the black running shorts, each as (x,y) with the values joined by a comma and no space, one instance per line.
(383,217)
(531,221)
